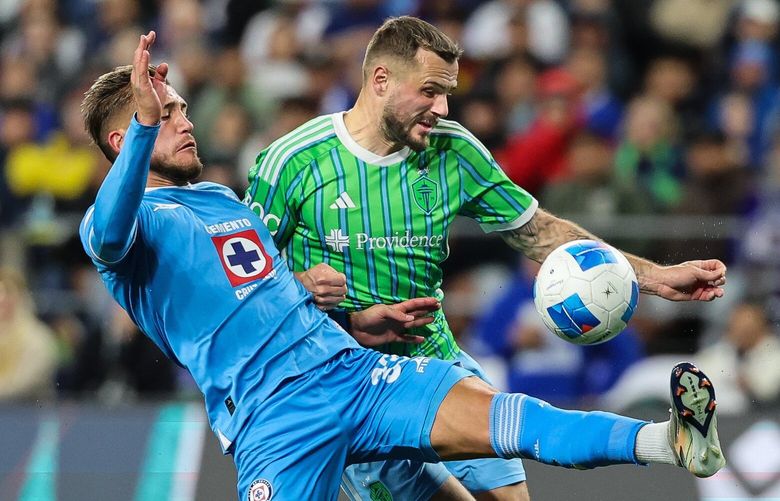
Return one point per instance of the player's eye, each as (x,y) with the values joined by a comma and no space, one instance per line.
(428,92)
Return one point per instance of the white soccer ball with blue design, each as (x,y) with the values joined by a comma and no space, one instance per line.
(586,292)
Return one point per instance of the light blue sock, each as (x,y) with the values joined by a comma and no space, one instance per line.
(523,426)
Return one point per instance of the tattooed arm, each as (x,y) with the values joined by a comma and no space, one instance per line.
(692,280)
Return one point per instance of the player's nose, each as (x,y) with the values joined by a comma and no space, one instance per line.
(440,106)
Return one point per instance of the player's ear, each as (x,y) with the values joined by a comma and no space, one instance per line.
(115,139)
(380,80)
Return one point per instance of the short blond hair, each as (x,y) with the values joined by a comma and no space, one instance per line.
(401,37)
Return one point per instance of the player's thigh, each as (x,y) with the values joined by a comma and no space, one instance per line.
(461,427)
(401,479)
(398,401)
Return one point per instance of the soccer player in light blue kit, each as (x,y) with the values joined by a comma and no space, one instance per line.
(288,393)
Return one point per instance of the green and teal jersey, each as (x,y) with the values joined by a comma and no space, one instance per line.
(382,221)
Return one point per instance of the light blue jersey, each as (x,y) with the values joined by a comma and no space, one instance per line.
(199,273)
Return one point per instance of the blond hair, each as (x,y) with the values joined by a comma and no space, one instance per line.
(401,37)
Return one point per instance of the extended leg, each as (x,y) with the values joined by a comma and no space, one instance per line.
(476,420)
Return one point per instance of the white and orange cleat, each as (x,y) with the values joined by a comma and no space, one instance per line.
(693,431)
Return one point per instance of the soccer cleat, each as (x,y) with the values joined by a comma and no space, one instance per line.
(693,432)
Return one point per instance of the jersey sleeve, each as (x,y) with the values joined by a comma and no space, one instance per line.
(274,194)
(109,227)
(491,198)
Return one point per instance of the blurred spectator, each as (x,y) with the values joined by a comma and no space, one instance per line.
(536,157)
(672,20)
(56,176)
(228,85)
(745,363)
(647,152)
(481,114)
(595,27)
(349,29)
(751,75)
(112,16)
(18,85)
(17,128)
(326,84)
(514,79)
(543,24)
(673,80)
(190,65)
(761,239)
(735,118)
(272,51)
(591,191)
(28,350)
(714,186)
(757,20)
(53,50)
(181,22)
(293,112)
(231,130)
(602,110)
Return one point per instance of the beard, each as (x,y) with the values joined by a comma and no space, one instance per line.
(399,131)
(178,173)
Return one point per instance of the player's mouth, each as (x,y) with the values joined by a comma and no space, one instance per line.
(188,145)
(426,125)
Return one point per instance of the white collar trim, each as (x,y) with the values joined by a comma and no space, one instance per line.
(187,186)
(363,154)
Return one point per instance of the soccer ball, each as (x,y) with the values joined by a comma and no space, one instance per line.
(586,291)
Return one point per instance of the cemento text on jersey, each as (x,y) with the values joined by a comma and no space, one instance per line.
(226,226)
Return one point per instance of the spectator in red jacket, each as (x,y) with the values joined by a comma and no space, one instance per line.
(537,156)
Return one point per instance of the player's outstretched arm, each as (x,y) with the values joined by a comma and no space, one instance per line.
(388,323)
(110,228)
(701,280)
(328,286)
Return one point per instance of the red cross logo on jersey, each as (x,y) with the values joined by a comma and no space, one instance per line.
(243,257)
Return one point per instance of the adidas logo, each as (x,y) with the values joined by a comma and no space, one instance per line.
(343,202)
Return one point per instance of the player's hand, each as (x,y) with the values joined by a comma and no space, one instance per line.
(328,286)
(387,323)
(148,92)
(700,280)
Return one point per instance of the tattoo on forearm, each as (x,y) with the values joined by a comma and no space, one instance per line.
(542,234)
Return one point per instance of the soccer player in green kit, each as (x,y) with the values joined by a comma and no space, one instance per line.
(361,203)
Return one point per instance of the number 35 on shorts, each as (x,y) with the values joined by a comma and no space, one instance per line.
(388,370)
(390,366)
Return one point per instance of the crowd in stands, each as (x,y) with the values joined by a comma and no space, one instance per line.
(656,124)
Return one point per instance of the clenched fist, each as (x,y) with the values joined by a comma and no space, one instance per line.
(328,286)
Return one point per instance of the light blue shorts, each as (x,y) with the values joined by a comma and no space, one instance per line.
(360,406)
(415,480)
